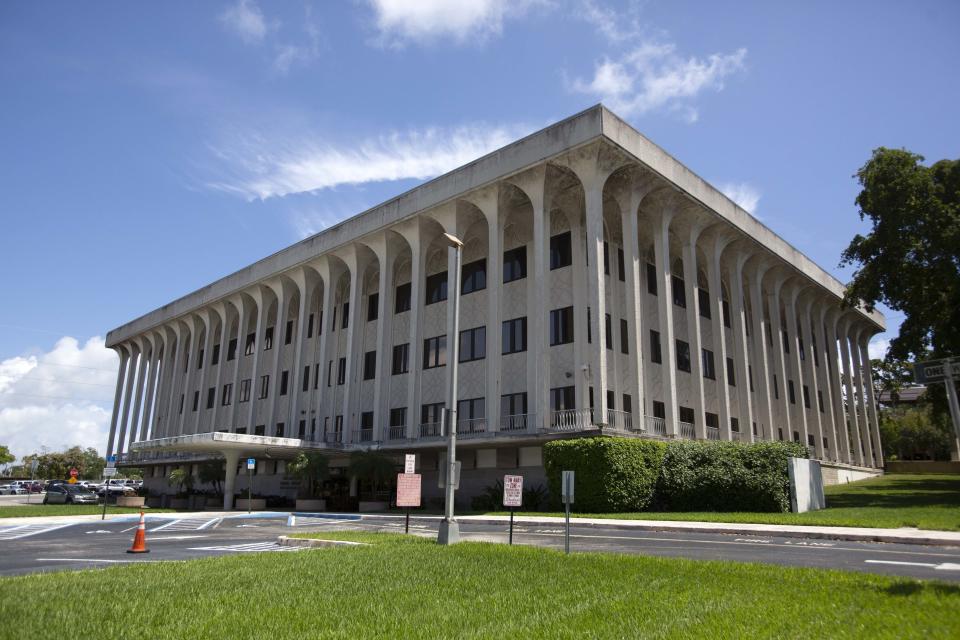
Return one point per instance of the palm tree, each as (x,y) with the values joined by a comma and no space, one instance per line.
(372,466)
(181,479)
(312,468)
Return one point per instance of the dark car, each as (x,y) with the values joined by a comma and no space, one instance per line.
(69,494)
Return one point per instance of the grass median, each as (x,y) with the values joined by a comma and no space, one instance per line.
(407,587)
(891,501)
(35,510)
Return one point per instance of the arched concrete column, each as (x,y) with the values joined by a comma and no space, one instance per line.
(154,341)
(142,364)
(222,310)
(282,289)
(715,245)
(668,349)
(385,249)
(694,226)
(795,369)
(853,423)
(244,307)
(261,296)
(823,314)
(124,354)
(810,373)
(871,399)
(329,272)
(762,375)
(194,325)
(741,356)
(203,360)
(173,401)
(777,280)
(860,390)
(305,280)
(841,425)
(135,358)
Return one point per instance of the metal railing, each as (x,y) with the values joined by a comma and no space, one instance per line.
(656,426)
(738,436)
(363,435)
(431,429)
(333,437)
(622,420)
(713,433)
(571,420)
(687,430)
(519,422)
(397,432)
(471,427)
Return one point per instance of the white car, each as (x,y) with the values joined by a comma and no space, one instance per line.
(11,490)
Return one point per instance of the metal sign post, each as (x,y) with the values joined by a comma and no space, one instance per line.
(251,465)
(33,471)
(946,371)
(512,496)
(566,495)
(108,471)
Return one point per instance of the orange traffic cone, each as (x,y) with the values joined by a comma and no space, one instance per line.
(140,537)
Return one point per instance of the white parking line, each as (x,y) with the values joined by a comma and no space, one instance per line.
(943,566)
(90,560)
(249,547)
(188,524)
(26,530)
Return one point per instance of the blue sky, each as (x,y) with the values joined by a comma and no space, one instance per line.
(148,149)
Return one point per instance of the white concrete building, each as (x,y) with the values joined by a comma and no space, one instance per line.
(606,288)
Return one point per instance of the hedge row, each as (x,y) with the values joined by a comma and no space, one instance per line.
(626,474)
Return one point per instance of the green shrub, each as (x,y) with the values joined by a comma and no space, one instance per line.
(612,474)
(727,476)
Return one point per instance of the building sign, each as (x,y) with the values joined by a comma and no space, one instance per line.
(512,491)
(410,463)
(408,489)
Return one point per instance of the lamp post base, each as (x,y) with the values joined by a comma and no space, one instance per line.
(449,532)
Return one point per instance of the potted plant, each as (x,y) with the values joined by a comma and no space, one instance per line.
(256,503)
(377,470)
(183,481)
(312,468)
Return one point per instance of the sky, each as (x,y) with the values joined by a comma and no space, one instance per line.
(147,149)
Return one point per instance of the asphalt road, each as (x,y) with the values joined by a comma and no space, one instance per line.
(35,548)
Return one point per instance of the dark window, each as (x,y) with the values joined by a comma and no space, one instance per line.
(200,359)
(268,339)
(796,436)
(712,420)
(780,433)
(826,443)
(611,400)
(333,319)
(279,430)
(370,365)
(196,400)
(302,429)
(589,328)
(627,403)
(703,302)
(227,396)
(402,303)
(731,373)
(366,420)
(245,390)
(816,358)
(683,355)
(651,279)
(338,425)
(264,386)
(473,344)
(345,321)
(606,258)
(624,336)
(231,349)
(513,404)
(431,413)
(436,287)
(329,372)
(806,396)
(472,409)
(435,352)
(563,398)
(726,314)
(306,378)
(316,375)
(659,410)
(373,307)
(608,330)
(398,417)
(810,439)
(776,388)
(621,267)
(181,404)
(288,333)
(215,355)
(655,354)
(735,425)
(211,397)
(560,251)
(320,323)
(514,335)
(258,430)
(750,376)
(803,353)
(561,326)
(310,326)
(401,357)
(514,264)
(793,397)
(342,371)
(687,415)
(769,337)
(679,291)
(473,276)
(786,342)
(284,380)
(820,400)
(706,357)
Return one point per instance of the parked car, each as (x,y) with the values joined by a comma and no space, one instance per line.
(70,494)
(11,490)
(92,485)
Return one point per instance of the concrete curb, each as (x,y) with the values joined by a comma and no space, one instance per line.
(311,543)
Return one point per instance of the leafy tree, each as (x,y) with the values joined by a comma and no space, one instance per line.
(373,467)
(212,472)
(890,376)
(910,260)
(57,464)
(312,468)
(914,432)
(5,456)
(182,480)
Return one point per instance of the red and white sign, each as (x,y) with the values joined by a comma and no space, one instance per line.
(74,473)
(512,491)
(408,489)
(410,463)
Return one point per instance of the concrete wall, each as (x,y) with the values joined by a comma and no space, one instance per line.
(842,474)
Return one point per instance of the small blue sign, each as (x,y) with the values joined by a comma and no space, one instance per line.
(112,458)
(251,463)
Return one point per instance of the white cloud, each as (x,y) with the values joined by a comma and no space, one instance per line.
(654,76)
(878,347)
(263,167)
(58,399)
(246,20)
(745,195)
(609,23)
(424,21)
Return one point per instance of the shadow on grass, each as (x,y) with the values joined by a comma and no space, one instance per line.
(900,493)
(912,588)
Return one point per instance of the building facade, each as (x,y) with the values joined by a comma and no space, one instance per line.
(604,288)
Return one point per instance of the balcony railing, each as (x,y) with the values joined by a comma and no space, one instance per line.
(363,435)
(571,420)
(519,422)
(472,427)
(397,432)
(333,437)
(738,436)
(621,420)
(656,426)
(431,429)
(687,431)
(713,433)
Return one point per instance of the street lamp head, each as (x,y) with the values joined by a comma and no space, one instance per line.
(453,240)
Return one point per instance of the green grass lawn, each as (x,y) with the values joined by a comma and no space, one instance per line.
(405,587)
(895,500)
(31,510)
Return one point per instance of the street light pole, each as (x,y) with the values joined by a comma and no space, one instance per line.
(449,531)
